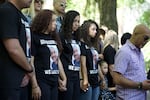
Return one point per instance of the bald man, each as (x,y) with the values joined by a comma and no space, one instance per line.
(129,72)
(59,9)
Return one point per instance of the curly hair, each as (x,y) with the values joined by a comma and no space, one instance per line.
(40,25)
(84,33)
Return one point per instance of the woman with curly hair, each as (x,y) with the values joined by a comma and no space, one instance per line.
(46,43)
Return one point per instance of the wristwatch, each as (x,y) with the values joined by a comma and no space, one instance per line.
(140,85)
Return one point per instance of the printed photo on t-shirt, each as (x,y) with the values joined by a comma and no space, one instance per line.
(95,58)
(28,38)
(54,57)
(76,54)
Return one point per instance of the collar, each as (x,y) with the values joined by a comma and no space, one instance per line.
(132,46)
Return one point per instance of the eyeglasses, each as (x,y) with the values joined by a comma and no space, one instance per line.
(63,4)
(39,1)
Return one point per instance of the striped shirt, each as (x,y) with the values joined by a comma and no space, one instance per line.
(129,61)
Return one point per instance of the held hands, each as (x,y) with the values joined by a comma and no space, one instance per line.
(84,85)
(62,85)
(25,81)
(36,93)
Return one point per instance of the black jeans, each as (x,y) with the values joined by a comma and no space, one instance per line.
(48,92)
(73,91)
(14,93)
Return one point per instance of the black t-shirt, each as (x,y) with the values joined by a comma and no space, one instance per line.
(14,26)
(68,57)
(109,55)
(45,52)
(91,63)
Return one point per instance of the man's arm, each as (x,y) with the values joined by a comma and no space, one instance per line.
(17,54)
(119,79)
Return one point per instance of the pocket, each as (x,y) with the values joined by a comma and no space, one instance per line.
(134,63)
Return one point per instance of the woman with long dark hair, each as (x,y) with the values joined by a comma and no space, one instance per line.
(70,56)
(90,71)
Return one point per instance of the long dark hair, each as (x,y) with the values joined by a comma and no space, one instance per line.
(84,34)
(40,25)
(66,30)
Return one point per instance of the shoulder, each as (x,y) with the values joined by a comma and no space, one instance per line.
(123,52)
(8,8)
(9,12)
(108,48)
(125,49)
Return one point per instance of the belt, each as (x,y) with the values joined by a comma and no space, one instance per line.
(51,71)
(95,71)
(73,68)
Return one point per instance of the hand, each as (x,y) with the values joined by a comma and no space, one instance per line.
(103,85)
(36,93)
(84,85)
(62,85)
(146,85)
(25,81)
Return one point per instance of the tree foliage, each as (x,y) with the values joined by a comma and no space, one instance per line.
(129,3)
(145,18)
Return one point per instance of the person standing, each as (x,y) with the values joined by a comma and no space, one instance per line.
(105,94)
(129,71)
(111,45)
(90,71)
(14,59)
(46,48)
(70,42)
(33,10)
(59,9)
(125,37)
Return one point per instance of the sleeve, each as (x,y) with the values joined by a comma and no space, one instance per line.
(9,27)
(109,55)
(121,62)
(83,49)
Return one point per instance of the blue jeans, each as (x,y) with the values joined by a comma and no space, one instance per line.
(91,94)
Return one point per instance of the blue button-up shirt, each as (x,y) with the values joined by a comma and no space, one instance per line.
(129,61)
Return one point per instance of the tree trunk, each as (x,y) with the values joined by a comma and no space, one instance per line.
(107,10)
